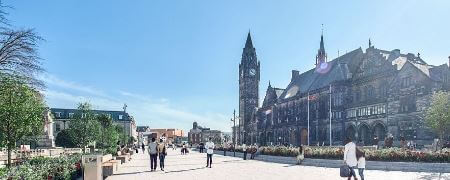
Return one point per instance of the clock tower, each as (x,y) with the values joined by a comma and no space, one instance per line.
(248,88)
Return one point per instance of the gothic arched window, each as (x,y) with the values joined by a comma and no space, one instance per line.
(357,96)
(383,89)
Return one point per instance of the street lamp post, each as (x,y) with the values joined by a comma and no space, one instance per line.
(234,133)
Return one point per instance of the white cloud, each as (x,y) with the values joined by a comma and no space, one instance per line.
(55,81)
(155,112)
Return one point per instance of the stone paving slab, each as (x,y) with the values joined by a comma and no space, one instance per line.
(192,167)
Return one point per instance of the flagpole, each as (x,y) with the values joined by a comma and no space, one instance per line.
(308,118)
(330,114)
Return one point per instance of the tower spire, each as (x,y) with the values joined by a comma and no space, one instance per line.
(322,47)
(321,54)
(249,43)
(370,43)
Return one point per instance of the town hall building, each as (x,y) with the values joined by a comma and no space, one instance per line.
(360,94)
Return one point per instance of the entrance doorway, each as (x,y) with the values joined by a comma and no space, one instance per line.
(304,136)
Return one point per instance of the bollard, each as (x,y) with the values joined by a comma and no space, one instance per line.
(92,167)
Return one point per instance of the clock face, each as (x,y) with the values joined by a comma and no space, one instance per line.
(252,72)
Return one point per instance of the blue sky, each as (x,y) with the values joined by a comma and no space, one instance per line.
(175,62)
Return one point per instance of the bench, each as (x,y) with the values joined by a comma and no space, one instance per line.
(109,165)
(121,157)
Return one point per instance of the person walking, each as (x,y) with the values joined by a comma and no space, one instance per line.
(301,155)
(361,156)
(225,149)
(162,153)
(244,149)
(183,149)
(153,154)
(143,148)
(209,152)
(253,151)
(350,157)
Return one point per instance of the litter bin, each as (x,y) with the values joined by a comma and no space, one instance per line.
(92,167)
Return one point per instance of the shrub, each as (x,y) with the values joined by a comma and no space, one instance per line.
(64,167)
(3,172)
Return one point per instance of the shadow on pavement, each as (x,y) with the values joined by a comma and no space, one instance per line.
(183,170)
(433,176)
(128,173)
(291,165)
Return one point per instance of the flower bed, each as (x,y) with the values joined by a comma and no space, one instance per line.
(391,154)
(64,167)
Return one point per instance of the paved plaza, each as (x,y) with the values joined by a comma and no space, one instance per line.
(192,166)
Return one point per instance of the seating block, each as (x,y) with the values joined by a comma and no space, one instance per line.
(108,169)
(122,158)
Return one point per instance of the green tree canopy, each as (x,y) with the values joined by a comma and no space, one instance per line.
(21,111)
(438,114)
(63,139)
(84,128)
(109,133)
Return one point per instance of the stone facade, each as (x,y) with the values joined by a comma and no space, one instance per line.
(361,94)
(199,135)
(62,118)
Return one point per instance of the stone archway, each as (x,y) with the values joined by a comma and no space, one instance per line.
(364,134)
(379,130)
(304,136)
(350,132)
(292,136)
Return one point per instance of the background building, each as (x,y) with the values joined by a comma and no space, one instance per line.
(168,135)
(62,118)
(199,135)
(143,132)
(363,94)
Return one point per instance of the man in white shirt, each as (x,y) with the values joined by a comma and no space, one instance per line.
(244,149)
(350,157)
(209,152)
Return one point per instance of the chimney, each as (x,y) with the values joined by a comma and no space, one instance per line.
(295,74)
(396,52)
(449,61)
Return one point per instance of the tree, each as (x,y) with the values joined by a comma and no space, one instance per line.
(110,134)
(84,128)
(63,139)
(438,114)
(19,55)
(105,122)
(21,111)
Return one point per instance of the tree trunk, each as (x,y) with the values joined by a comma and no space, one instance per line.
(441,139)
(9,157)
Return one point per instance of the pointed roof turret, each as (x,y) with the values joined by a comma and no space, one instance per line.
(322,46)
(321,56)
(249,43)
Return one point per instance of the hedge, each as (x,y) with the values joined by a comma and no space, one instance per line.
(390,154)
